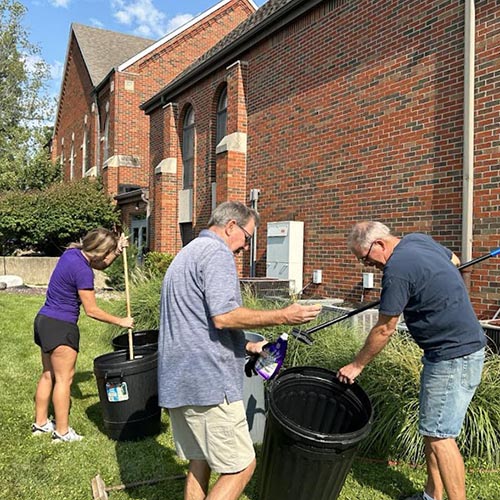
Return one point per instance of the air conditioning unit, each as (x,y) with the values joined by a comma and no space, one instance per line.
(285,252)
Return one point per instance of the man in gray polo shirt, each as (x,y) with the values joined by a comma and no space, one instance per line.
(201,352)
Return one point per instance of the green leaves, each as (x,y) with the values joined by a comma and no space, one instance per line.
(25,107)
(47,221)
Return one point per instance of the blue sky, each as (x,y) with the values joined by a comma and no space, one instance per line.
(48,22)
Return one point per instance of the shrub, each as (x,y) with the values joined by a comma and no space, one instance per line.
(47,221)
(156,263)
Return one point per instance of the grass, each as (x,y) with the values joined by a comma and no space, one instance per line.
(32,468)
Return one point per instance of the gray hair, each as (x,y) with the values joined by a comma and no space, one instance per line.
(363,234)
(233,210)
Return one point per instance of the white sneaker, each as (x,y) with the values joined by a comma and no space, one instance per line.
(37,430)
(71,435)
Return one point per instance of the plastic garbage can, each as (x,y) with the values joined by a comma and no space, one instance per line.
(254,398)
(128,392)
(314,425)
(142,338)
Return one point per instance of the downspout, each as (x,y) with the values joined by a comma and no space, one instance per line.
(145,199)
(468,154)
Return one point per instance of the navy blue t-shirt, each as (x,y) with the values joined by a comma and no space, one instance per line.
(421,282)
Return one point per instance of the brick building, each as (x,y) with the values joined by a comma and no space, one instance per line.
(337,111)
(100,129)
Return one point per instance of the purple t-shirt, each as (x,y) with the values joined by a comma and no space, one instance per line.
(72,273)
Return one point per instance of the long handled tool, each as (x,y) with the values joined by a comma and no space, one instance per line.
(127,299)
(304,335)
(100,490)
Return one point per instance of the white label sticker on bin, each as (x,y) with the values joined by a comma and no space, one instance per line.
(117,392)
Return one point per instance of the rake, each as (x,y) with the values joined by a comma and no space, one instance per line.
(100,490)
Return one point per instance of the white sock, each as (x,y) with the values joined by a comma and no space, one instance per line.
(427,497)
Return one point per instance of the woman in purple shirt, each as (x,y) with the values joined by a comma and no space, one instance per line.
(56,330)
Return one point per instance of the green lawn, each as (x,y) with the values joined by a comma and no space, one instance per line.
(32,468)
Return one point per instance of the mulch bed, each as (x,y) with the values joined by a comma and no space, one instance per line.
(26,290)
(42,290)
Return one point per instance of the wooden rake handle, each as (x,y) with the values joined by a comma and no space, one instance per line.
(127,299)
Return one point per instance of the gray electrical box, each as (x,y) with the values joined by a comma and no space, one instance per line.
(285,252)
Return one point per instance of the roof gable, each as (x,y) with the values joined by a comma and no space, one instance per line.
(178,31)
(103,50)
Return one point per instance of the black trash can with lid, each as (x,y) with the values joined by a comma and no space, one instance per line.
(313,428)
(128,392)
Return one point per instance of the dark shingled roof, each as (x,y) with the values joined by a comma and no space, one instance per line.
(257,18)
(103,50)
(266,15)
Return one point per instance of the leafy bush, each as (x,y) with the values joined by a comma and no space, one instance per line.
(47,221)
(156,263)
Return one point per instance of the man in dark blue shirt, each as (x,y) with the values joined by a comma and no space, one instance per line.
(421,281)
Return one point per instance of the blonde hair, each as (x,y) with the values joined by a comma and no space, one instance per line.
(97,243)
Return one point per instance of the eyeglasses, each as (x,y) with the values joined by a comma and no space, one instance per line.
(365,259)
(248,236)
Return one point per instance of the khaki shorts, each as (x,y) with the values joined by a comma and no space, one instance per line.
(217,434)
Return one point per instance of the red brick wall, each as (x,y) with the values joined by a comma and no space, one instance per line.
(356,112)
(168,145)
(151,73)
(75,102)
(486,230)
(129,127)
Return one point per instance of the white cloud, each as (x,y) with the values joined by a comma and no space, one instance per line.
(177,21)
(145,19)
(56,70)
(95,22)
(32,61)
(59,3)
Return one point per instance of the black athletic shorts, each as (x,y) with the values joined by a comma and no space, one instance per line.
(51,333)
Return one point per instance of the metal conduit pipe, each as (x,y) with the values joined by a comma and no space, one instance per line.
(468,131)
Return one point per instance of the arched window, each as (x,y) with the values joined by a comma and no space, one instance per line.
(221,116)
(188,149)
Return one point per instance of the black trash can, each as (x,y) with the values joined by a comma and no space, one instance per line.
(313,428)
(142,338)
(128,392)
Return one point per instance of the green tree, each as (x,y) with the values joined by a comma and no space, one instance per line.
(25,107)
(40,171)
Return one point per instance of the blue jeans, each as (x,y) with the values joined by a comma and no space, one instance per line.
(446,389)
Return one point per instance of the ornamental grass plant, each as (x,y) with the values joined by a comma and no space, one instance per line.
(392,381)
(32,468)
